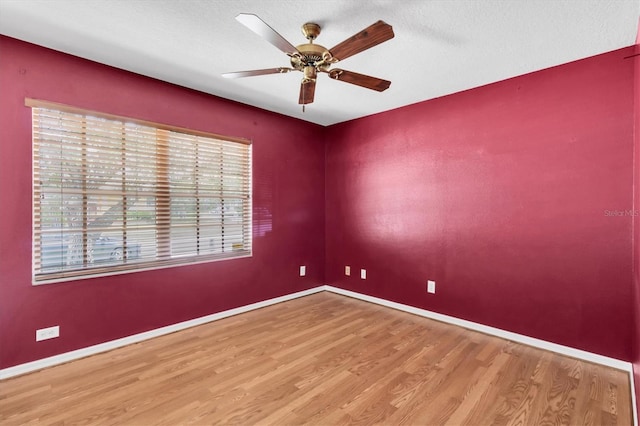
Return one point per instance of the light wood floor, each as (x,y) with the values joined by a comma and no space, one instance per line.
(322,359)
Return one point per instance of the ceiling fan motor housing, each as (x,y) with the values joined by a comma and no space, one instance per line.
(310,55)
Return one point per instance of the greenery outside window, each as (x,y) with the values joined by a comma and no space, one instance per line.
(114,194)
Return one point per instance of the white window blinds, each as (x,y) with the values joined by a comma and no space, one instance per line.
(113,194)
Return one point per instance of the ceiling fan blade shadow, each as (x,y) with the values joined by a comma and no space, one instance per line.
(361,80)
(240,74)
(258,26)
(307,92)
(365,39)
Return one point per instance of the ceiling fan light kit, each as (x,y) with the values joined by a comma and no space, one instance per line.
(311,58)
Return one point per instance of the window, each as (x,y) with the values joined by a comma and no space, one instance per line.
(112,194)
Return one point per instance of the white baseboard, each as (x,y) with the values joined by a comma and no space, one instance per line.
(634,400)
(515,337)
(113,344)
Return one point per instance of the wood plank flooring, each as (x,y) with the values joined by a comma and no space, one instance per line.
(323,359)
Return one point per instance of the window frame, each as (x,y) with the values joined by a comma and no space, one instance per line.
(162,224)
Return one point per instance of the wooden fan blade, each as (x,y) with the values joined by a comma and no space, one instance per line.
(307,92)
(239,74)
(362,80)
(258,26)
(365,39)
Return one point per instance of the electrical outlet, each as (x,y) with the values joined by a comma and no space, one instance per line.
(347,270)
(47,333)
(363,274)
(431,287)
(303,271)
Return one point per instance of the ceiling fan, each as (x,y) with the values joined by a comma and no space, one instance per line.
(311,59)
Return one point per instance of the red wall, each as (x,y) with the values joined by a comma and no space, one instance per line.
(636,224)
(288,176)
(499,195)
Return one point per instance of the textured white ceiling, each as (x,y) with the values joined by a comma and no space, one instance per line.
(440,47)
